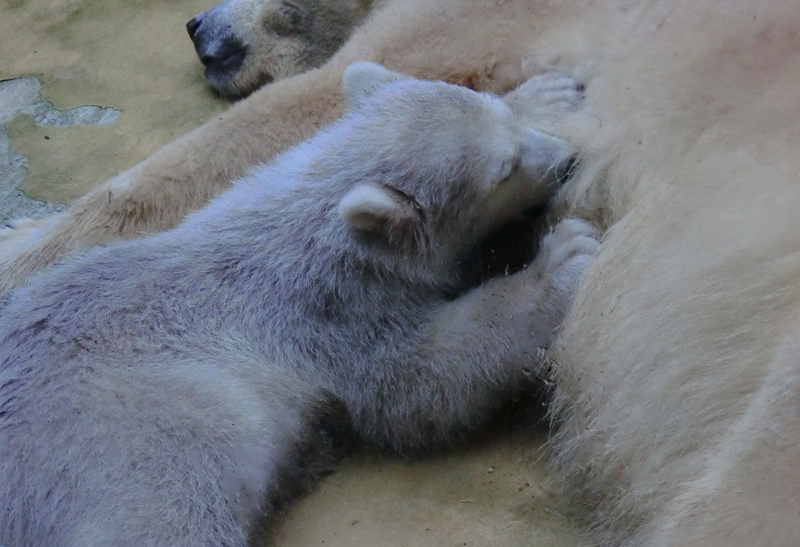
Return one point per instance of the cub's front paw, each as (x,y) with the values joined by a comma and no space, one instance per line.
(565,253)
(552,91)
(541,295)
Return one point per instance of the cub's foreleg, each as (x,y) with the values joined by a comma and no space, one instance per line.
(474,351)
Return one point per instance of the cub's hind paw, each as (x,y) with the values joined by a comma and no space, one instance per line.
(15,229)
(16,235)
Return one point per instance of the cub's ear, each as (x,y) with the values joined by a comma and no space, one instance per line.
(376,210)
(361,79)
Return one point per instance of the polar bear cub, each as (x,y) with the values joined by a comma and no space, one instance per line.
(159,391)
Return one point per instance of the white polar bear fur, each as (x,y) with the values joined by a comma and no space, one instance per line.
(677,371)
(678,374)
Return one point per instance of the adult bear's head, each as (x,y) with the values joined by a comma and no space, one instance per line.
(245,44)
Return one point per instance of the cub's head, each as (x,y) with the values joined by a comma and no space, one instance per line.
(245,44)
(431,167)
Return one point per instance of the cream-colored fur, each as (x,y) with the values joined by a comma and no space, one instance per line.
(678,376)
(678,380)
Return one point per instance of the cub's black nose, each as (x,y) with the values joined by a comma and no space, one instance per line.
(192,26)
(566,169)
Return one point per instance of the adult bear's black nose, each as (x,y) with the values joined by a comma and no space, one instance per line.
(192,26)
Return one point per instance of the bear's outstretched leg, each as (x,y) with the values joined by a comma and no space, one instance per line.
(478,348)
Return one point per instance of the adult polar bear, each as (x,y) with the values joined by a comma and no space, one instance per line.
(677,371)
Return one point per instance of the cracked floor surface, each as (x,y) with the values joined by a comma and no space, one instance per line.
(134,58)
(22,96)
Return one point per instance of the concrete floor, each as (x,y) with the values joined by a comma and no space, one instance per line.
(58,58)
(23,96)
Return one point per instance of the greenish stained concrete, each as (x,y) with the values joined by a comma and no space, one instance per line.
(133,56)
(20,99)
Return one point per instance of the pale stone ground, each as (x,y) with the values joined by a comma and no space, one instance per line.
(130,55)
(22,97)
(98,85)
